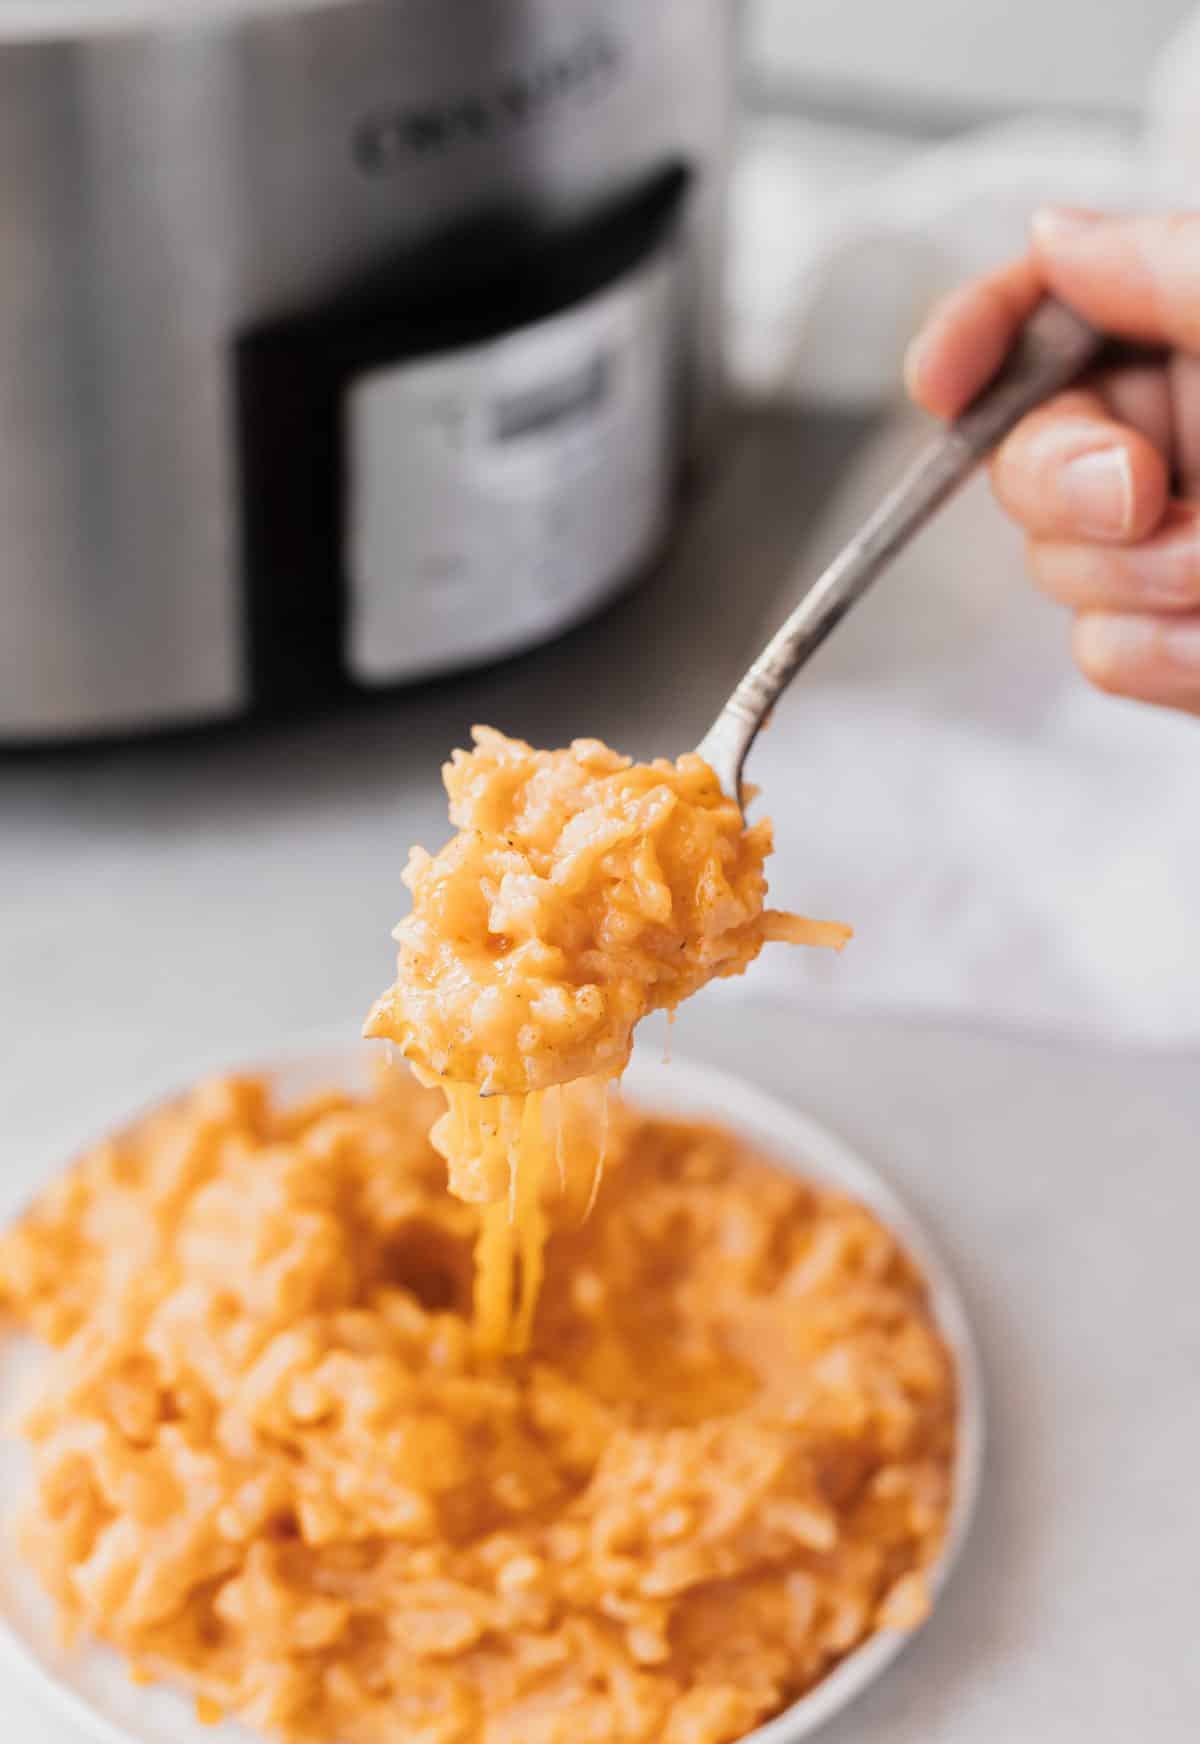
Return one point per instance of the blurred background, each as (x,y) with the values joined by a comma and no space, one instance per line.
(355,363)
(370,368)
(936,64)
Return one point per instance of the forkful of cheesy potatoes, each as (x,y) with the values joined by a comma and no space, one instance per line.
(581,892)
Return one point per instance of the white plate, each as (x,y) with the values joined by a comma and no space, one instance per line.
(91,1687)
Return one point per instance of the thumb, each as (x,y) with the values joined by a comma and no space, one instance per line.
(1137,278)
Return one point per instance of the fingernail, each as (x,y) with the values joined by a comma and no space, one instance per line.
(1181,644)
(1061,223)
(920,347)
(914,356)
(1108,642)
(1096,491)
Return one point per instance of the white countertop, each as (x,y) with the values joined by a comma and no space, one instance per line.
(184,901)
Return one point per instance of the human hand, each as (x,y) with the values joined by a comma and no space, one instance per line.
(1105,479)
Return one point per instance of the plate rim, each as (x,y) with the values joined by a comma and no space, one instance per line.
(790,1136)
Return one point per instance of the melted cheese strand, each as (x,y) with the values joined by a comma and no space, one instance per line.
(497,1148)
(500,1151)
(494,1278)
(512,1126)
(601,1153)
(560,1155)
(528,1172)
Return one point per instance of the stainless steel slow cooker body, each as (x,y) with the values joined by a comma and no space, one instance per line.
(339,344)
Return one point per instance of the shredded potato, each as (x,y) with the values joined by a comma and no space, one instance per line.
(797,929)
(273,1466)
(581,892)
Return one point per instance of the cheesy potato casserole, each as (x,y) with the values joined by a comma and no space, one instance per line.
(274,1465)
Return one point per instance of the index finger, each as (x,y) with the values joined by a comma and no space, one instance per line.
(968,335)
(1138,278)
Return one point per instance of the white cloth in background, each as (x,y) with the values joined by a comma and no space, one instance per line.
(841,240)
(1009,844)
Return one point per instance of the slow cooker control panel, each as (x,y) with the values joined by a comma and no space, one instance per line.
(465,454)
(497,492)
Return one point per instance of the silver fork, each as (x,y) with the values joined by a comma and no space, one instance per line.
(1051,350)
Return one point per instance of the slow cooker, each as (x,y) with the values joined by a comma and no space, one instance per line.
(341,344)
